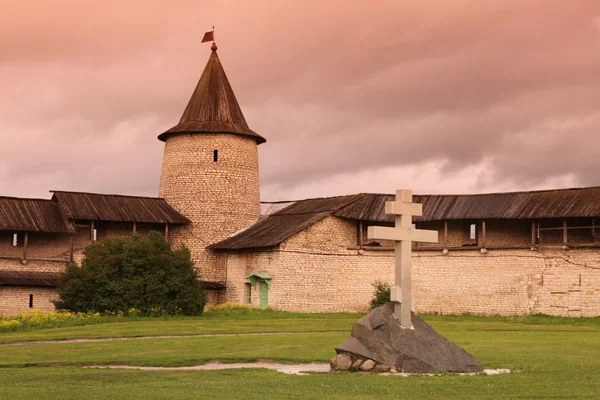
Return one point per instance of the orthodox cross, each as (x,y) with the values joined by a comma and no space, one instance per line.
(403,235)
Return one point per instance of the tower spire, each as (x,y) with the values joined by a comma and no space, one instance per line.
(213,107)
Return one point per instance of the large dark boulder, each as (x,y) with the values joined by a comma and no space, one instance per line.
(379,337)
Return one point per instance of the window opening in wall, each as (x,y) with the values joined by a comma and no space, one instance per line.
(215,155)
(30,301)
(95,235)
(248,293)
(473,232)
(15,241)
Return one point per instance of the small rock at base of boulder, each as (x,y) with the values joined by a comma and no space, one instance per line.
(333,363)
(343,362)
(393,370)
(367,365)
(382,368)
(356,365)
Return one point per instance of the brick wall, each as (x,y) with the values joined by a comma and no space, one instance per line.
(41,245)
(219,197)
(330,234)
(56,246)
(507,282)
(315,271)
(49,253)
(15,299)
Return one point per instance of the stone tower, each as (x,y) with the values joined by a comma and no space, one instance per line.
(210,170)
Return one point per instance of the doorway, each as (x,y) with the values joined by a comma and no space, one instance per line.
(264,295)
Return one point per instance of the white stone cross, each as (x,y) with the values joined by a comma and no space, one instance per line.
(403,234)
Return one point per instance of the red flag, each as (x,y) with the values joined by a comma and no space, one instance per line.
(209,37)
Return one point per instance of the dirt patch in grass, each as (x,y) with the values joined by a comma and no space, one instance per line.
(293,369)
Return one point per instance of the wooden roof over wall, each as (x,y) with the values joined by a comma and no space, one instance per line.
(285,223)
(559,203)
(32,215)
(29,278)
(213,107)
(118,208)
(54,216)
(297,216)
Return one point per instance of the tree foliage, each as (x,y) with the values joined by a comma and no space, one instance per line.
(138,272)
(381,294)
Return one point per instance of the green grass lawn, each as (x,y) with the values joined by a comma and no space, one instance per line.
(555,358)
(184,327)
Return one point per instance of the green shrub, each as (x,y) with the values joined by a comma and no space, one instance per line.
(381,294)
(140,272)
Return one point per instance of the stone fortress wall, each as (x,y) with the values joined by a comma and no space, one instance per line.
(322,270)
(50,252)
(220,197)
(16,299)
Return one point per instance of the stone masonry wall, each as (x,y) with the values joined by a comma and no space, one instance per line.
(48,253)
(330,234)
(458,233)
(56,246)
(507,282)
(15,299)
(219,197)
(41,245)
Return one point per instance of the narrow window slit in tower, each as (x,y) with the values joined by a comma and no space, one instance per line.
(30,301)
(215,155)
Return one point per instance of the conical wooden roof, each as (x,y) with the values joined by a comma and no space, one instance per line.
(213,107)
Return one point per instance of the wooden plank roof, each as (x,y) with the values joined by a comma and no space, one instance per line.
(297,216)
(213,107)
(285,223)
(32,215)
(29,278)
(558,203)
(118,208)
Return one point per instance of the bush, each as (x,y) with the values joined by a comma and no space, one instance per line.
(137,272)
(381,294)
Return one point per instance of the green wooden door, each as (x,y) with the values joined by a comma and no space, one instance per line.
(264,294)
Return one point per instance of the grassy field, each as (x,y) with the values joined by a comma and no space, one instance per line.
(556,358)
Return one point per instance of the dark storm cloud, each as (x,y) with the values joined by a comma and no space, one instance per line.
(508,90)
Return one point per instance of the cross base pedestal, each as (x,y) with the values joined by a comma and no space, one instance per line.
(396,297)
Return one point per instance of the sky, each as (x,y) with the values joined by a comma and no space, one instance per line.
(439,96)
